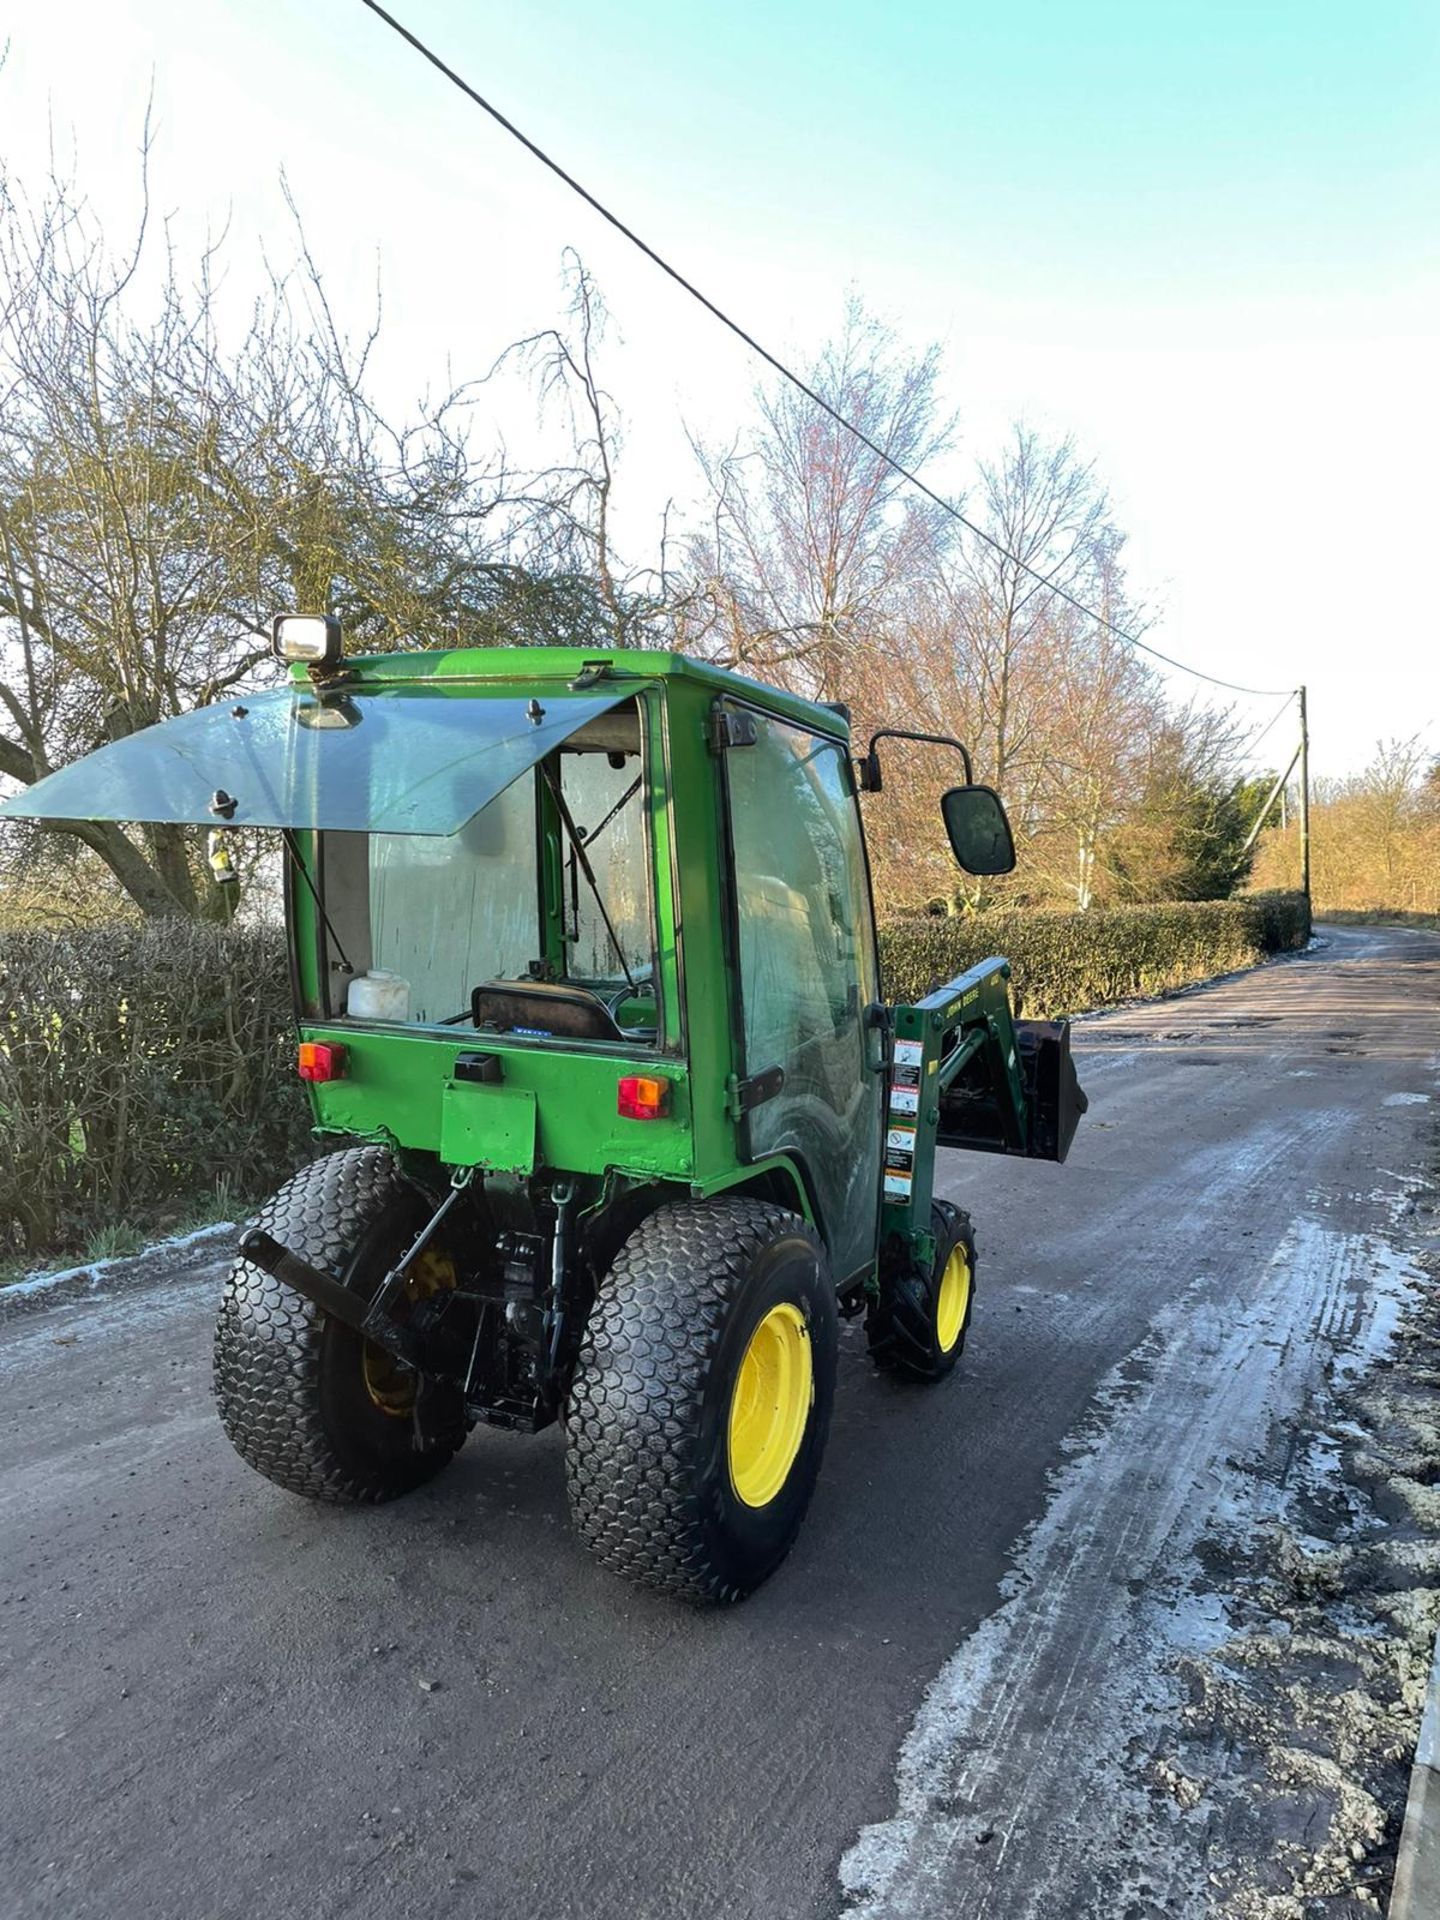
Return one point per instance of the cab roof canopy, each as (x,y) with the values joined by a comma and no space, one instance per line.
(568,663)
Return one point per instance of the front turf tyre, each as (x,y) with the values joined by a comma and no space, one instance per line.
(701,1400)
(303,1399)
(917,1327)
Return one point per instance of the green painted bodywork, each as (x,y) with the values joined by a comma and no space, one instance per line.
(494,1128)
(402,1085)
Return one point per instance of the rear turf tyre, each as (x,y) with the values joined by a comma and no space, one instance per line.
(701,1400)
(303,1399)
(917,1327)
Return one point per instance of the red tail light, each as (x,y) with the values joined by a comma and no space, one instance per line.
(642,1098)
(320,1060)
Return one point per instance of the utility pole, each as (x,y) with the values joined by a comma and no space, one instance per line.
(1277,791)
(1304,800)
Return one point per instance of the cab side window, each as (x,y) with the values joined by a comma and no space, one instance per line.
(806,952)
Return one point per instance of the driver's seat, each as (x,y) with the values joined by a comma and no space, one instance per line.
(545,1007)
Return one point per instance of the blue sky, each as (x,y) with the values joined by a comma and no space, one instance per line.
(1202,238)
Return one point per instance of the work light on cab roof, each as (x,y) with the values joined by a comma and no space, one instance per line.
(618,1121)
(311,639)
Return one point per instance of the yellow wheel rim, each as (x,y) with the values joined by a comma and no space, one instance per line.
(954,1299)
(770,1407)
(389,1384)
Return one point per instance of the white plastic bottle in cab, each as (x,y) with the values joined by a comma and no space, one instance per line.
(378,995)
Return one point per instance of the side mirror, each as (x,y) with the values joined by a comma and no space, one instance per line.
(979,832)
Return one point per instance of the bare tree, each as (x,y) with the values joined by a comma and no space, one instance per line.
(813,537)
(1056,707)
(166,485)
(162,493)
(1046,514)
(1375,836)
(615,603)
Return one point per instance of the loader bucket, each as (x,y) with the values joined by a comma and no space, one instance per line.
(978,1108)
(1054,1098)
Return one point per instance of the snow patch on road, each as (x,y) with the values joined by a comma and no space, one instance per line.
(1039,1778)
(1392,1288)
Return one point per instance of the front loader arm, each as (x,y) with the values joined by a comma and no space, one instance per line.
(965,1073)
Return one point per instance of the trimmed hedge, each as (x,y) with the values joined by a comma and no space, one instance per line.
(142,1069)
(1066,962)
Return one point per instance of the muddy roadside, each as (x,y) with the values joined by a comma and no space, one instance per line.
(1295,1744)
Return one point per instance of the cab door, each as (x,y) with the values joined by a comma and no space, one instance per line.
(803,944)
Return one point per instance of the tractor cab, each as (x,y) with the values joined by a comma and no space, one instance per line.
(617,1117)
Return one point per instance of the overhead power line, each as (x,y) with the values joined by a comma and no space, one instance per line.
(788,373)
(1254,744)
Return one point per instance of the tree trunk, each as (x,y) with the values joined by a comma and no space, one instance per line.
(129,866)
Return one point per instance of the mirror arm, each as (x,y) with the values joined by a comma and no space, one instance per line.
(870,779)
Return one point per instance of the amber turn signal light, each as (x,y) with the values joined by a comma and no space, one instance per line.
(643,1098)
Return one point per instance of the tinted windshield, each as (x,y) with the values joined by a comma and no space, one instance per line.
(508,897)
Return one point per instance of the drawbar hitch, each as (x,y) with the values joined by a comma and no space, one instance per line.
(371,1318)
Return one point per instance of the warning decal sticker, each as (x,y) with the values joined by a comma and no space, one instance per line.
(903,1119)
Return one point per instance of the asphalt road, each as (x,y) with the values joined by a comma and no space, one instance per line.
(211,1698)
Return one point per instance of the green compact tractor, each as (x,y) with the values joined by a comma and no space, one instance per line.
(618,1121)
